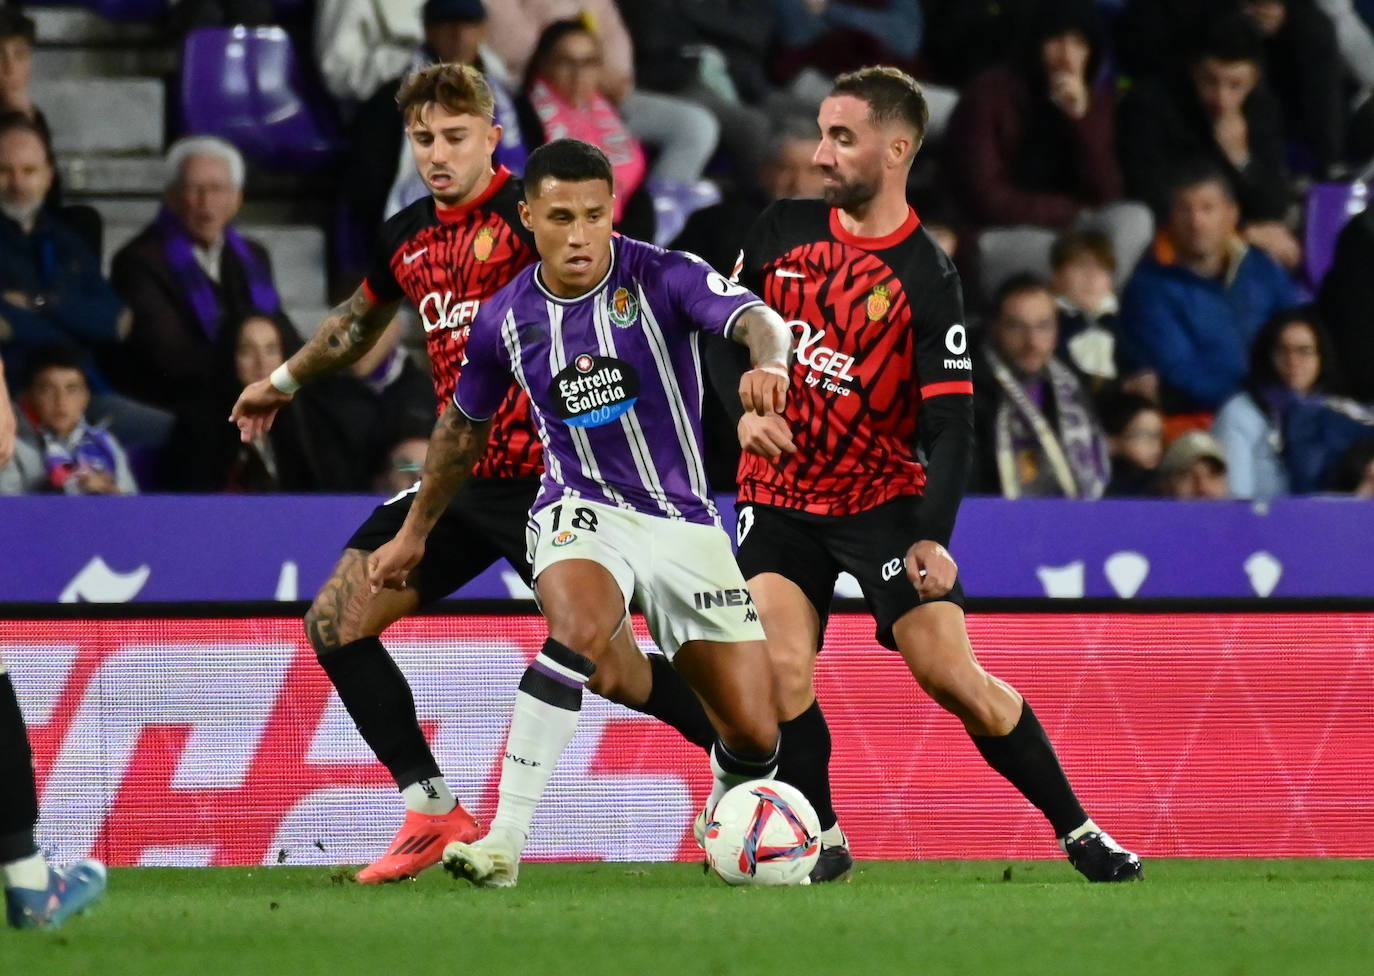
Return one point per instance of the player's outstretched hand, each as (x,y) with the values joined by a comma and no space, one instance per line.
(389,566)
(763,389)
(931,568)
(767,436)
(256,408)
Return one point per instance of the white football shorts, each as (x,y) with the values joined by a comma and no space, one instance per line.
(683,573)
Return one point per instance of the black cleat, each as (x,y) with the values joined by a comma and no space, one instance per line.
(1099,858)
(834,864)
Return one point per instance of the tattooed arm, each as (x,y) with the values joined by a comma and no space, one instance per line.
(343,337)
(763,389)
(454,447)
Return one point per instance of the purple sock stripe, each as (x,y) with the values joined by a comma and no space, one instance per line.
(538,664)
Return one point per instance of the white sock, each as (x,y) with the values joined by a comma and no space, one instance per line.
(547,707)
(429,796)
(27,872)
(1088,827)
(729,770)
(833,837)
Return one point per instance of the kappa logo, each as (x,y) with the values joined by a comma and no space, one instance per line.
(411,258)
(623,308)
(484,243)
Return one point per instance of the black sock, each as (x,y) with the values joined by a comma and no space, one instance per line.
(672,701)
(749,765)
(805,760)
(19,806)
(1026,758)
(378,697)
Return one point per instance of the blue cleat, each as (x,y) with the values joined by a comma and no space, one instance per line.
(70,890)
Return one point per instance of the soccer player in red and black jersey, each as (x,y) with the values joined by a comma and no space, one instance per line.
(882,365)
(446,253)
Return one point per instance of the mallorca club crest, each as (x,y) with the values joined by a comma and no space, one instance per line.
(484,243)
(623,308)
(879,301)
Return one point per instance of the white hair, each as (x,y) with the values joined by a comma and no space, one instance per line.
(188,146)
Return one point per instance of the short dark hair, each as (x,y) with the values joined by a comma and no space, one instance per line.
(570,160)
(1196,172)
(1117,410)
(459,88)
(1074,244)
(14,23)
(17,121)
(548,40)
(1231,38)
(1017,284)
(892,96)
(1262,370)
(55,355)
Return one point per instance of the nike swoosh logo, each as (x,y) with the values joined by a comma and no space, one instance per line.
(784,273)
(407,258)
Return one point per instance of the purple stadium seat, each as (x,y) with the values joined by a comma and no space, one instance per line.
(246,85)
(1329,207)
(675,202)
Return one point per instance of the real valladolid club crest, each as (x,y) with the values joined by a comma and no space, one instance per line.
(483,243)
(879,300)
(623,308)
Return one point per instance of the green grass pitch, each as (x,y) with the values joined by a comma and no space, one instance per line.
(986,918)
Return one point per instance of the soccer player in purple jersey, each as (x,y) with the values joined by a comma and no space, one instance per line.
(604,336)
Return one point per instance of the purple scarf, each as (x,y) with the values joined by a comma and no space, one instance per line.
(176,247)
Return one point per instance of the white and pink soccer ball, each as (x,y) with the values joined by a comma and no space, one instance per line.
(763,832)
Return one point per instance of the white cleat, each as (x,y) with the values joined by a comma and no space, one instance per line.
(485,862)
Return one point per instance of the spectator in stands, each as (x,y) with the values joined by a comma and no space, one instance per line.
(683,134)
(1036,429)
(1135,443)
(1194,305)
(1030,150)
(325,440)
(1355,41)
(188,274)
(713,53)
(562,98)
(716,233)
(51,289)
(78,457)
(361,44)
(1222,110)
(1355,473)
(1194,467)
(1346,298)
(830,37)
(404,463)
(1083,265)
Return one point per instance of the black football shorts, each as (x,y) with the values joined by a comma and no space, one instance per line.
(812,551)
(484,522)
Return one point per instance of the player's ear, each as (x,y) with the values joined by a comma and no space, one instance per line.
(899,149)
(525,219)
(493,137)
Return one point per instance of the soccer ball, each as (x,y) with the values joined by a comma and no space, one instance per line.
(763,832)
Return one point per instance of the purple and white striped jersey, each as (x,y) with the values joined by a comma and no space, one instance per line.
(614,376)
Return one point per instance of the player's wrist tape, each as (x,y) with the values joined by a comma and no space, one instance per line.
(777,369)
(282,379)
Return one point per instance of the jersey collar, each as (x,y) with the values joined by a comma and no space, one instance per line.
(874,243)
(610,269)
(457,212)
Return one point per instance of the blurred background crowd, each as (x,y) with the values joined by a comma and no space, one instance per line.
(1157,207)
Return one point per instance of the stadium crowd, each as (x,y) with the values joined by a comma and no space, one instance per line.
(1122,184)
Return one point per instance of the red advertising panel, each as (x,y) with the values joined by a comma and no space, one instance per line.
(219,741)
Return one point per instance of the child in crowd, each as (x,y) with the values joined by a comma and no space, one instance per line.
(79,458)
(1135,442)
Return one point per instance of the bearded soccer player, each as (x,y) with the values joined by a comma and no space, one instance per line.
(834,484)
(603,335)
(448,254)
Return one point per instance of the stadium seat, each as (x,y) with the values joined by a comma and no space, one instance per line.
(246,85)
(129,10)
(1329,207)
(675,202)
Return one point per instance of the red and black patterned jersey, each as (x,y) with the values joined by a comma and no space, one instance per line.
(879,328)
(447,261)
